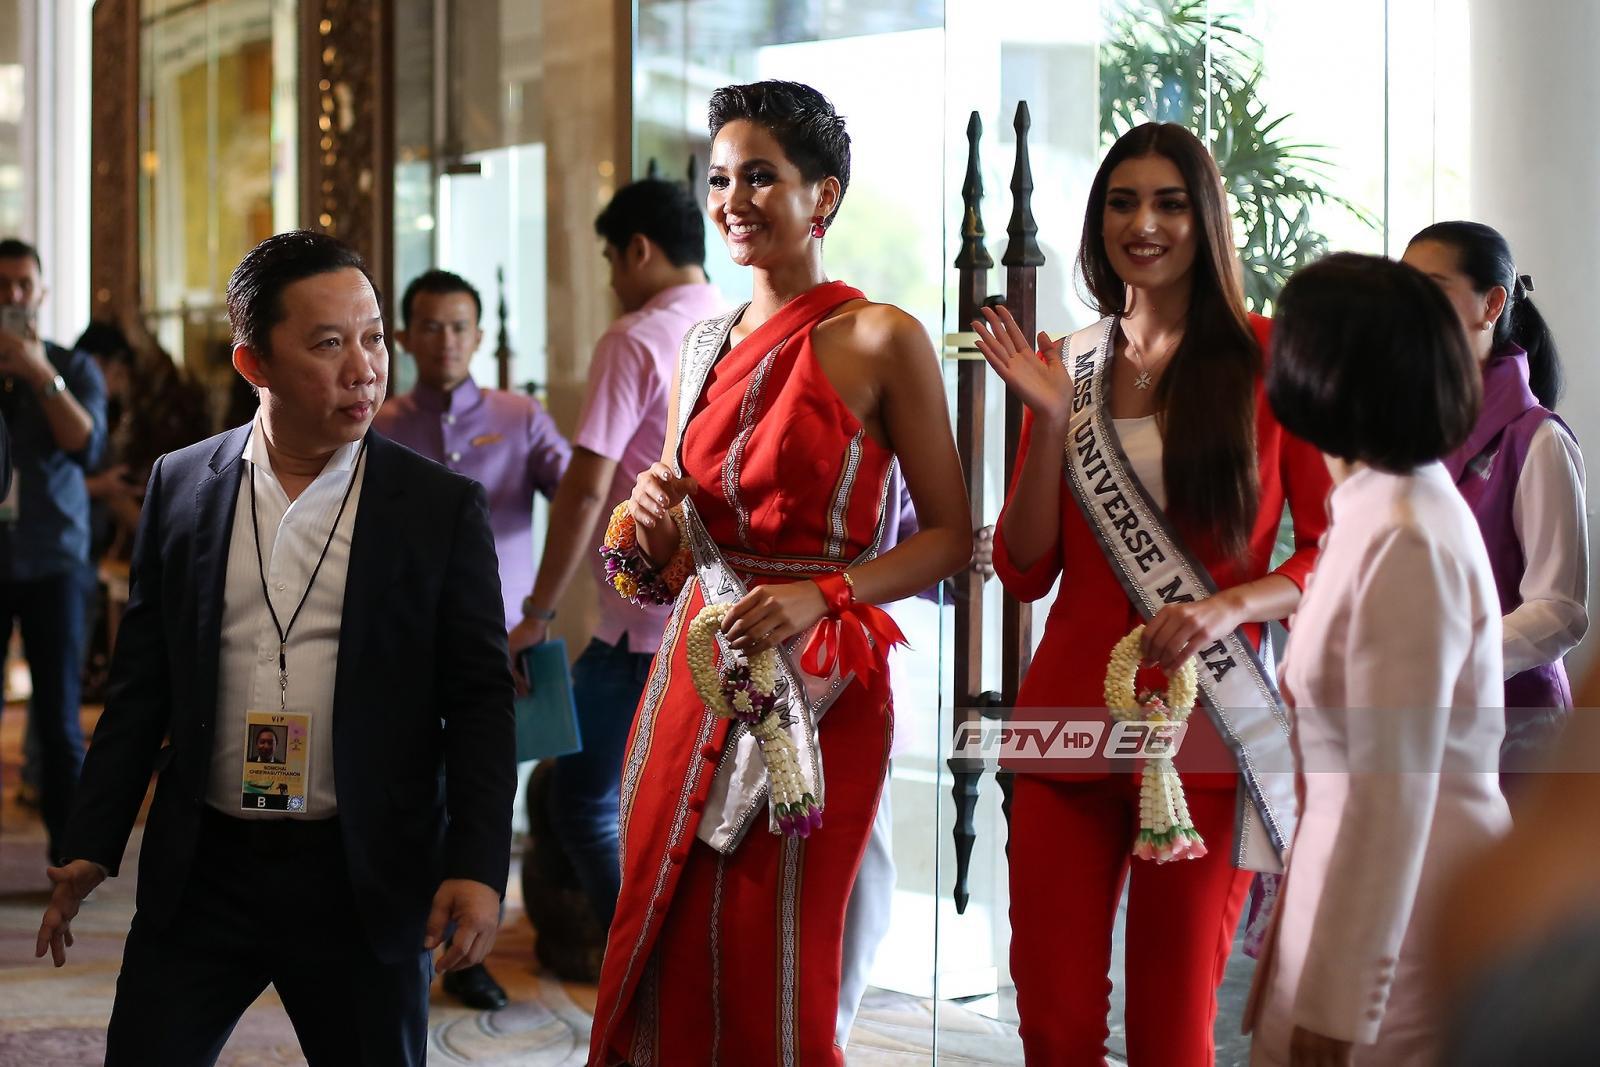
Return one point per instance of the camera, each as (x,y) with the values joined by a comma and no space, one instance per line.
(14,318)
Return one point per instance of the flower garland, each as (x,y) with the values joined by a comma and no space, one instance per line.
(1165,830)
(746,690)
(630,574)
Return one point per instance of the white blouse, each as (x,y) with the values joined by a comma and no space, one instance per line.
(1550,523)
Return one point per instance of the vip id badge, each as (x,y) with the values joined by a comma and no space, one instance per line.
(277,757)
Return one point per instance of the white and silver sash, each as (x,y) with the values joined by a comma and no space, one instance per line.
(1155,569)
(740,787)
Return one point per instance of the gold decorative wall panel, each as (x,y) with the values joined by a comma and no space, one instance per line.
(347,164)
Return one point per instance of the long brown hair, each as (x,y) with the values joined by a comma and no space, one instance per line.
(1207,397)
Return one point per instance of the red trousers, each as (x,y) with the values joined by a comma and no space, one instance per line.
(1070,854)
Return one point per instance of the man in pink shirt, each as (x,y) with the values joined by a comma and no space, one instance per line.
(654,236)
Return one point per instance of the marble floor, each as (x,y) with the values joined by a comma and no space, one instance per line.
(56,1018)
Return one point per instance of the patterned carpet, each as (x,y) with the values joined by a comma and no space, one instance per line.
(57,1018)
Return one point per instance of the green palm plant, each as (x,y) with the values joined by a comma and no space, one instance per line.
(1153,67)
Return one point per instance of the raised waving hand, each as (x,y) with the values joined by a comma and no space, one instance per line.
(1043,384)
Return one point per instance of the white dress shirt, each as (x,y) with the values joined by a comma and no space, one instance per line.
(292,538)
(1553,530)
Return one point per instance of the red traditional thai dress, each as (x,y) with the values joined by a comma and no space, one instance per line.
(735,959)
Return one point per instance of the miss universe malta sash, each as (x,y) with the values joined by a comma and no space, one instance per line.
(740,787)
(1155,569)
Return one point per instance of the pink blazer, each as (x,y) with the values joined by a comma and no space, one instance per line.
(1393,672)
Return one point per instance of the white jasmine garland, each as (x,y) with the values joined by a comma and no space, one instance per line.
(1166,831)
(746,690)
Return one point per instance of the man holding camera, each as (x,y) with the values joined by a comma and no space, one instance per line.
(53,401)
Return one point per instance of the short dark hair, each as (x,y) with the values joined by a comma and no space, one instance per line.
(439,283)
(255,290)
(662,211)
(1369,364)
(804,122)
(106,340)
(16,248)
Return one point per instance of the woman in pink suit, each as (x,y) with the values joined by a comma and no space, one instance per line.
(1393,669)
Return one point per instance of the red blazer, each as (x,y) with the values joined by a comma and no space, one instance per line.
(1092,612)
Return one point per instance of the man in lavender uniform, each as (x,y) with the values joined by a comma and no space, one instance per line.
(654,241)
(504,441)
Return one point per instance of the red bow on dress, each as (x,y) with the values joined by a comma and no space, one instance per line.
(843,639)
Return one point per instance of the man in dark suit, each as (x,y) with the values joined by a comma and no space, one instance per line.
(306,569)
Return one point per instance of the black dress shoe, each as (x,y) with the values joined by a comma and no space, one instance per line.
(476,988)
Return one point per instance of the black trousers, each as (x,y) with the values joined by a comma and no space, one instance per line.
(268,903)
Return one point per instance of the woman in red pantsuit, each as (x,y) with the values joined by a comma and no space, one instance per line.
(726,949)
(1186,397)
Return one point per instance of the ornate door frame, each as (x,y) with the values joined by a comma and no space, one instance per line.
(346,140)
(347,126)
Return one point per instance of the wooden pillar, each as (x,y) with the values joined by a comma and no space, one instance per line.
(1022,261)
(114,160)
(973,263)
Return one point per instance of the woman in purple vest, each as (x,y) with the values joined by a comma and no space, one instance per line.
(1522,474)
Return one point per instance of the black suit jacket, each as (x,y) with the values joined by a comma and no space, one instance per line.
(424,741)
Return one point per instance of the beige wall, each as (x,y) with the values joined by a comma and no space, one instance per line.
(588,137)
(1534,167)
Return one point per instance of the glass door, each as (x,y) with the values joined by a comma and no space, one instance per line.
(1306,169)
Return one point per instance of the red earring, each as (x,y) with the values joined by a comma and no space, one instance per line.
(817,229)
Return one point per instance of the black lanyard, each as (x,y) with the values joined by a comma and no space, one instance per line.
(261,569)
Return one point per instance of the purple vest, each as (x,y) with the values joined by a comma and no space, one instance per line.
(1487,468)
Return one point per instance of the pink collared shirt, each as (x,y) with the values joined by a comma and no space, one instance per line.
(625,419)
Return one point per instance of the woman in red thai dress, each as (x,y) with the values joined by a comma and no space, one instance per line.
(1185,391)
(726,948)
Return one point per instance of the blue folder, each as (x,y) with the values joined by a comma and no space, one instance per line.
(547,718)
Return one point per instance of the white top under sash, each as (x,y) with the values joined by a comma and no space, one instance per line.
(1141,443)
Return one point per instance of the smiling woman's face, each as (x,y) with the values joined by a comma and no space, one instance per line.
(1149,223)
(758,200)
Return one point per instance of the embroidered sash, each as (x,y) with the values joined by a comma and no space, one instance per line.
(739,788)
(1155,569)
